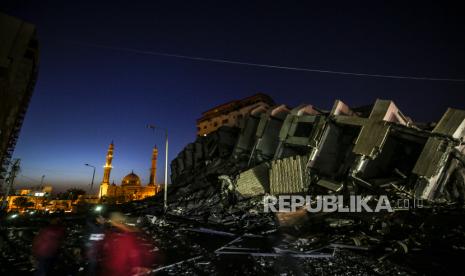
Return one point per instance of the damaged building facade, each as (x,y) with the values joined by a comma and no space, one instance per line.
(231,113)
(220,183)
(19,66)
(373,149)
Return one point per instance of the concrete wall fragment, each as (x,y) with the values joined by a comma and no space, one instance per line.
(448,135)
(288,175)
(254,181)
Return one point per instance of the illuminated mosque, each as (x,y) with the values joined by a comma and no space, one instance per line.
(131,186)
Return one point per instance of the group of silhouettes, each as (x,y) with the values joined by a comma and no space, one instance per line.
(111,247)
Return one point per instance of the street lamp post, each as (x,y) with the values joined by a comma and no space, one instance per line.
(93,176)
(165,198)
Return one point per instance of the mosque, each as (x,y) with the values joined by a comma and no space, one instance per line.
(131,186)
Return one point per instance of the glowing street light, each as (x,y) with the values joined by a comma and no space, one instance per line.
(98,208)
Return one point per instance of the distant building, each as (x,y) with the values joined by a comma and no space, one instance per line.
(131,186)
(37,191)
(231,113)
(39,198)
(19,60)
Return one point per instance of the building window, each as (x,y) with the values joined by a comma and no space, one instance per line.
(225,121)
(215,124)
(303,129)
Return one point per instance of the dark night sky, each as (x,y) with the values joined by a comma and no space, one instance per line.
(87,96)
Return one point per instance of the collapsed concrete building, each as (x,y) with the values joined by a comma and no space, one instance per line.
(306,150)
(221,179)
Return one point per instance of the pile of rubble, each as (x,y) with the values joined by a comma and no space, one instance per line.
(216,222)
(405,242)
(219,182)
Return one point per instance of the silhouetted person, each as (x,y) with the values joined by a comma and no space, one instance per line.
(94,243)
(123,253)
(46,245)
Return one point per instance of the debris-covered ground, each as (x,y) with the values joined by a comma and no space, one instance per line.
(408,242)
(216,223)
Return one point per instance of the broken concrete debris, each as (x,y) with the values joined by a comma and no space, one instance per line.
(346,150)
(216,224)
(368,150)
(287,175)
(254,181)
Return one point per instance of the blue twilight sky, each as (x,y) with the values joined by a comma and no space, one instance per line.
(87,96)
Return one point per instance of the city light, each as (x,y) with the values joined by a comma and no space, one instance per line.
(98,208)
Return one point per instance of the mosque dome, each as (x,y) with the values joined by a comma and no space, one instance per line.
(131,179)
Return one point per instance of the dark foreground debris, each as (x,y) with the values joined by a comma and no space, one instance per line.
(410,242)
(216,224)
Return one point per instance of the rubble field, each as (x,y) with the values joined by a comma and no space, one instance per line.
(407,242)
(216,223)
